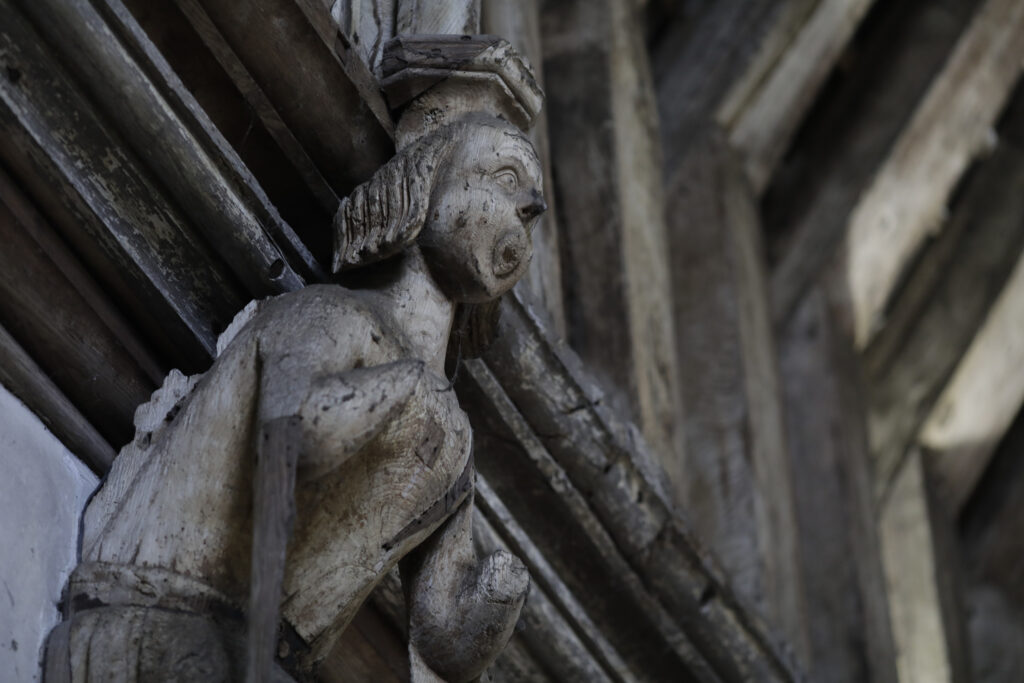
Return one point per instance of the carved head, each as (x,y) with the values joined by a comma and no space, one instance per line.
(469,193)
(483,207)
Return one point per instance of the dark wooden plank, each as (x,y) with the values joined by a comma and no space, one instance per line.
(921,568)
(304,81)
(26,380)
(35,225)
(166,128)
(107,205)
(846,607)
(607,177)
(46,314)
(244,115)
(736,480)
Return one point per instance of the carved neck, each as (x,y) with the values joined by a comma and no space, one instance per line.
(420,309)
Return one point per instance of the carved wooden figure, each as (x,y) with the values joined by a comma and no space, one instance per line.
(326,426)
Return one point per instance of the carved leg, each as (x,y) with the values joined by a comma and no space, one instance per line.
(461,610)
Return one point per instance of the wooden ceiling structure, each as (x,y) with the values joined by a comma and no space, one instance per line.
(755,412)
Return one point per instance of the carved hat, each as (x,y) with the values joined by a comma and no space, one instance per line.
(432,81)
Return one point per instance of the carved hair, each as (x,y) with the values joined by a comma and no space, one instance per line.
(384,215)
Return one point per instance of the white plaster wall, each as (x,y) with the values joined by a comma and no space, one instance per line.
(43,489)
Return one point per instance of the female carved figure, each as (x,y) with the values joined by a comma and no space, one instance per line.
(342,388)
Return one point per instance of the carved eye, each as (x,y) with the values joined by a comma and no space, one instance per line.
(508,179)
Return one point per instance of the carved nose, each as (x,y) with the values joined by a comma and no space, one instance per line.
(508,253)
(533,208)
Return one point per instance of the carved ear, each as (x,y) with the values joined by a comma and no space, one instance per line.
(384,215)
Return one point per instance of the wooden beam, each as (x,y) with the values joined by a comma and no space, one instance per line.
(166,128)
(920,567)
(943,303)
(579,445)
(518,21)
(848,134)
(736,480)
(907,199)
(847,610)
(698,59)
(607,176)
(44,311)
(107,205)
(26,380)
(981,399)
(765,126)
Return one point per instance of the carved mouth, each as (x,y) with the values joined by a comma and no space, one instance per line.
(507,254)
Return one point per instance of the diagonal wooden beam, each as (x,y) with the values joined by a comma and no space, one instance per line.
(770,115)
(982,398)
(848,136)
(607,177)
(907,199)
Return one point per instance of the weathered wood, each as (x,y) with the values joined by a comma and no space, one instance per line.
(952,124)
(847,613)
(277,42)
(26,380)
(363,78)
(771,116)
(518,21)
(982,397)
(118,64)
(260,104)
(560,624)
(424,17)
(77,350)
(511,452)
(582,448)
(545,631)
(736,480)
(370,649)
(846,137)
(920,570)
(107,205)
(607,176)
(273,516)
(992,523)
(943,303)
(695,62)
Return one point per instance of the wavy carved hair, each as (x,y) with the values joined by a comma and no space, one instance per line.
(383,216)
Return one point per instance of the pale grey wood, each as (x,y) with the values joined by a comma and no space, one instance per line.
(426,17)
(927,623)
(982,398)
(848,136)
(736,482)
(347,386)
(607,176)
(952,125)
(944,302)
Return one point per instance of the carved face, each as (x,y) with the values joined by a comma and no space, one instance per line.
(476,238)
